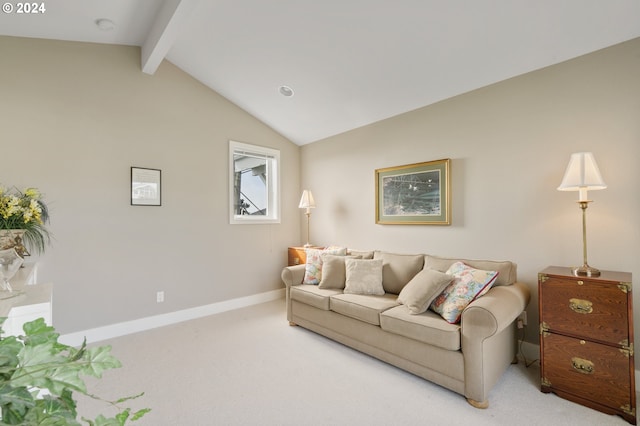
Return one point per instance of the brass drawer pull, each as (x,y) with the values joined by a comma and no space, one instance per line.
(581,306)
(583,366)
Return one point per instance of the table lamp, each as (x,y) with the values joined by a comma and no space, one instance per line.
(582,174)
(307,202)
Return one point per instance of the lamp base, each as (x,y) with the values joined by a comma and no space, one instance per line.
(585,271)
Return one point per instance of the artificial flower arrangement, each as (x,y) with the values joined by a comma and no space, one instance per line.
(25,210)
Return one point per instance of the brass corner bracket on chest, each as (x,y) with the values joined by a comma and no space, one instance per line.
(628,410)
(544,329)
(542,277)
(625,287)
(626,349)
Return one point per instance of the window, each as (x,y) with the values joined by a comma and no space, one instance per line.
(254,184)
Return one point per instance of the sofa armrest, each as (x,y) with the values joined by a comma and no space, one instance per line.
(494,311)
(488,337)
(291,276)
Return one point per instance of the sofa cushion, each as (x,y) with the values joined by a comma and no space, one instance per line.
(398,269)
(363,276)
(418,294)
(333,271)
(468,284)
(313,265)
(311,295)
(508,271)
(363,307)
(427,327)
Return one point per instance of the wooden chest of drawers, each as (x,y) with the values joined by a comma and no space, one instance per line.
(586,339)
(297,255)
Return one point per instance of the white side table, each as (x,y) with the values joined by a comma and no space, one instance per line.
(34,303)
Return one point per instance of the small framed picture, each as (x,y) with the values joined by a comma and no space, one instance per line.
(145,187)
(414,194)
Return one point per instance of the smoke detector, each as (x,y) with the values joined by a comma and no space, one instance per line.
(105,24)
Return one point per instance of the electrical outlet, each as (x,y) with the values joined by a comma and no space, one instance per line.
(521,321)
(523,317)
(160,297)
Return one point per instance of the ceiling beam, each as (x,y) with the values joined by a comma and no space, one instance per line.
(171,17)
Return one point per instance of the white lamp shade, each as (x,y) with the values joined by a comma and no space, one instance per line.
(307,201)
(582,174)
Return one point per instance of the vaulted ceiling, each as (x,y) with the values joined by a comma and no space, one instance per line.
(348,62)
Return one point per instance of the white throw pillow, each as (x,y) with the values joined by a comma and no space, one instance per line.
(363,276)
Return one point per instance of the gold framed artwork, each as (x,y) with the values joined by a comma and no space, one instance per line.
(414,194)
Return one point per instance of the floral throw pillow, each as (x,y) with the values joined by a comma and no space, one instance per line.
(468,284)
(313,267)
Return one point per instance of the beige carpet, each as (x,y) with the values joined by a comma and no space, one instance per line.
(249,367)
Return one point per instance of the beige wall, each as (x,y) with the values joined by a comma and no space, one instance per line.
(509,144)
(74,118)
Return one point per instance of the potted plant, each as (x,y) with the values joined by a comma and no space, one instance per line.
(23,215)
(38,376)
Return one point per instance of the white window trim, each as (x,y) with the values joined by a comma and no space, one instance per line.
(273,184)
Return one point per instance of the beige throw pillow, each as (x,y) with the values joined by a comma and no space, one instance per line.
(333,271)
(418,294)
(363,276)
(313,266)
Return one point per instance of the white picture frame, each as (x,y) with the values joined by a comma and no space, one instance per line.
(146,189)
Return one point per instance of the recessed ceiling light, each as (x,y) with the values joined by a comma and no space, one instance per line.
(105,24)
(286,91)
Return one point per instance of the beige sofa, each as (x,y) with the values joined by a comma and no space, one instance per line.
(467,357)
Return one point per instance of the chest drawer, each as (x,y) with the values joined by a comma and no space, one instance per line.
(587,369)
(584,308)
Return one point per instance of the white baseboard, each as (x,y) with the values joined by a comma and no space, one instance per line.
(532,352)
(129,327)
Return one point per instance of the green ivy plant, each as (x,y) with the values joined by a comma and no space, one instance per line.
(38,376)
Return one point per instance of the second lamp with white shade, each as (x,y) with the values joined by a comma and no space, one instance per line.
(307,202)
